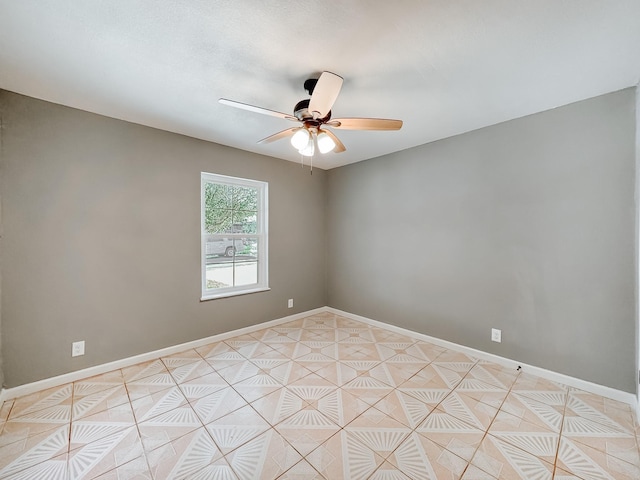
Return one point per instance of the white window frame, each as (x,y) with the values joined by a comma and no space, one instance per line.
(262,235)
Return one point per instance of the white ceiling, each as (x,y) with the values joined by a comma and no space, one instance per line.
(444,67)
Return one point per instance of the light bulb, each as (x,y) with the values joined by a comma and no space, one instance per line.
(325,143)
(300,139)
(309,149)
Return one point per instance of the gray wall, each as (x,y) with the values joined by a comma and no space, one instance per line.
(526,226)
(101,241)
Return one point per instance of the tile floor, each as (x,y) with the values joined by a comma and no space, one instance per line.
(321,397)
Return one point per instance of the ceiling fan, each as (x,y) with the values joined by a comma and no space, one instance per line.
(315,115)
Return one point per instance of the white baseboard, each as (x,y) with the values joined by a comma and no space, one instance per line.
(626,397)
(29,388)
(585,385)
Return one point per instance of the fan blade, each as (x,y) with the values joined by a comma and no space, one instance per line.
(325,93)
(339,145)
(252,108)
(277,136)
(365,124)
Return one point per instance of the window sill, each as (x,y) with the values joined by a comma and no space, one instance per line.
(234,294)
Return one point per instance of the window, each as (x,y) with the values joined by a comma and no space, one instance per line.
(234,236)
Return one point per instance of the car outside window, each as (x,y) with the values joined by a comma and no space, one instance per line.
(234,236)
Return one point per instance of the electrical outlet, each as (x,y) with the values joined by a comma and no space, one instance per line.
(496,335)
(290,303)
(77,348)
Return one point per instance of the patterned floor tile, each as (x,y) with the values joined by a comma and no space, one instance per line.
(344,457)
(382,373)
(354,335)
(386,350)
(356,368)
(343,322)
(532,438)
(249,348)
(318,322)
(613,409)
(420,458)
(168,427)
(431,384)
(185,372)
(483,392)
(434,376)
(302,470)
(98,383)
(316,350)
(265,457)
(84,405)
(494,374)
(378,431)
(468,409)
(337,373)
(611,439)
(108,453)
(474,473)
(505,461)
(203,386)
(136,469)
(214,349)
(585,407)
(281,335)
(425,351)
(149,385)
(388,471)
(401,368)
(17,429)
(358,401)
(217,404)
(404,408)
(540,389)
(33,450)
(283,372)
(285,349)
(547,416)
(367,389)
(99,425)
(452,433)
(53,469)
(217,470)
(560,474)
(257,386)
(340,406)
(184,457)
(239,372)
(358,351)
(307,429)
(395,373)
(312,387)
(220,355)
(181,358)
(158,403)
(237,428)
(387,336)
(318,335)
(456,361)
(143,370)
(278,405)
(591,464)
(46,399)
(5,410)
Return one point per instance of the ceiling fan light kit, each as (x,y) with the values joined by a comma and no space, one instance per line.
(314,113)
(300,139)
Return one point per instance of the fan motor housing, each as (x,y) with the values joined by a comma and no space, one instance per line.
(302,113)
